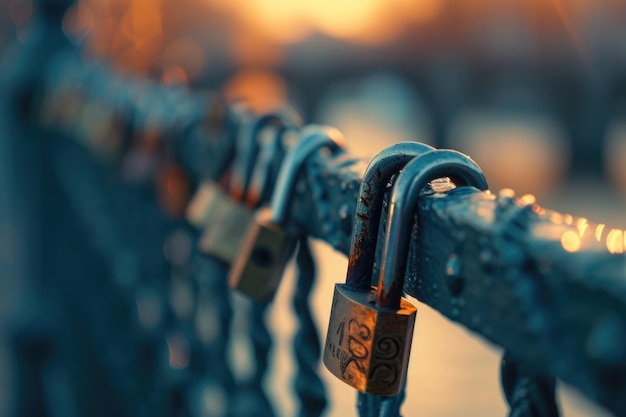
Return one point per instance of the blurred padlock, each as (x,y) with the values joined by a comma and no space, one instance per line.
(225,223)
(267,246)
(209,197)
(204,203)
(371,329)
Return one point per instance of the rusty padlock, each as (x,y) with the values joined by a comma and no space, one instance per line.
(226,218)
(267,246)
(371,329)
(355,326)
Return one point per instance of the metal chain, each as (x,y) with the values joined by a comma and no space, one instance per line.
(379,406)
(213,393)
(252,400)
(307,345)
(528,394)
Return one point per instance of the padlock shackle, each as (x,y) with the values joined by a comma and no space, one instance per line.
(265,170)
(369,207)
(313,138)
(406,191)
(233,116)
(248,147)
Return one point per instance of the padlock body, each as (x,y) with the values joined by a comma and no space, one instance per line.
(263,255)
(368,347)
(223,236)
(205,203)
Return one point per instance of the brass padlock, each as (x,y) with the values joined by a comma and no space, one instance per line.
(227,217)
(267,246)
(365,346)
(371,329)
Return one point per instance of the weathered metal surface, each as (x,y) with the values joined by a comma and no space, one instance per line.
(495,264)
(369,208)
(517,280)
(367,347)
(407,188)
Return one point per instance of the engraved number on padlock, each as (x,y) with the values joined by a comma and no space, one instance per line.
(267,246)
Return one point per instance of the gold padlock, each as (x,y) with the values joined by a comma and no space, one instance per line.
(371,328)
(267,246)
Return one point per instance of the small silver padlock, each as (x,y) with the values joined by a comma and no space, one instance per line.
(227,218)
(371,329)
(205,203)
(210,198)
(267,246)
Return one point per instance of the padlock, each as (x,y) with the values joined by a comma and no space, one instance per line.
(209,197)
(355,326)
(371,328)
(246,156)
(204,203)
(267,246)
(225,224)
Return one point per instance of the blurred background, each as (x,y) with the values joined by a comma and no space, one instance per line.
(533,90)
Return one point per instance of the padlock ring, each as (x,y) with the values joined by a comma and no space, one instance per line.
(313,138)
(460,168)
(369,207)
(248,147)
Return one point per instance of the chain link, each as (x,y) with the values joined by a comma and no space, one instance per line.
(307,346)
(528,394)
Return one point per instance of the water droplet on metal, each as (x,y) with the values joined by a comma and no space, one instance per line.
(506,193)
(453,273)
(346,220)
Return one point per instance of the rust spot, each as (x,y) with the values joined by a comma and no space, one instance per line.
(360,262)
(367,191)
(224,179)
(173,189)
(236,192)
(252,198)
(362,216)
(365,202)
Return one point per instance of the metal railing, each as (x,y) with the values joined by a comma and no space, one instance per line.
(546,287)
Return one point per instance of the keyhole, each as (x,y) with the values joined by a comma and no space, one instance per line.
(262,257)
